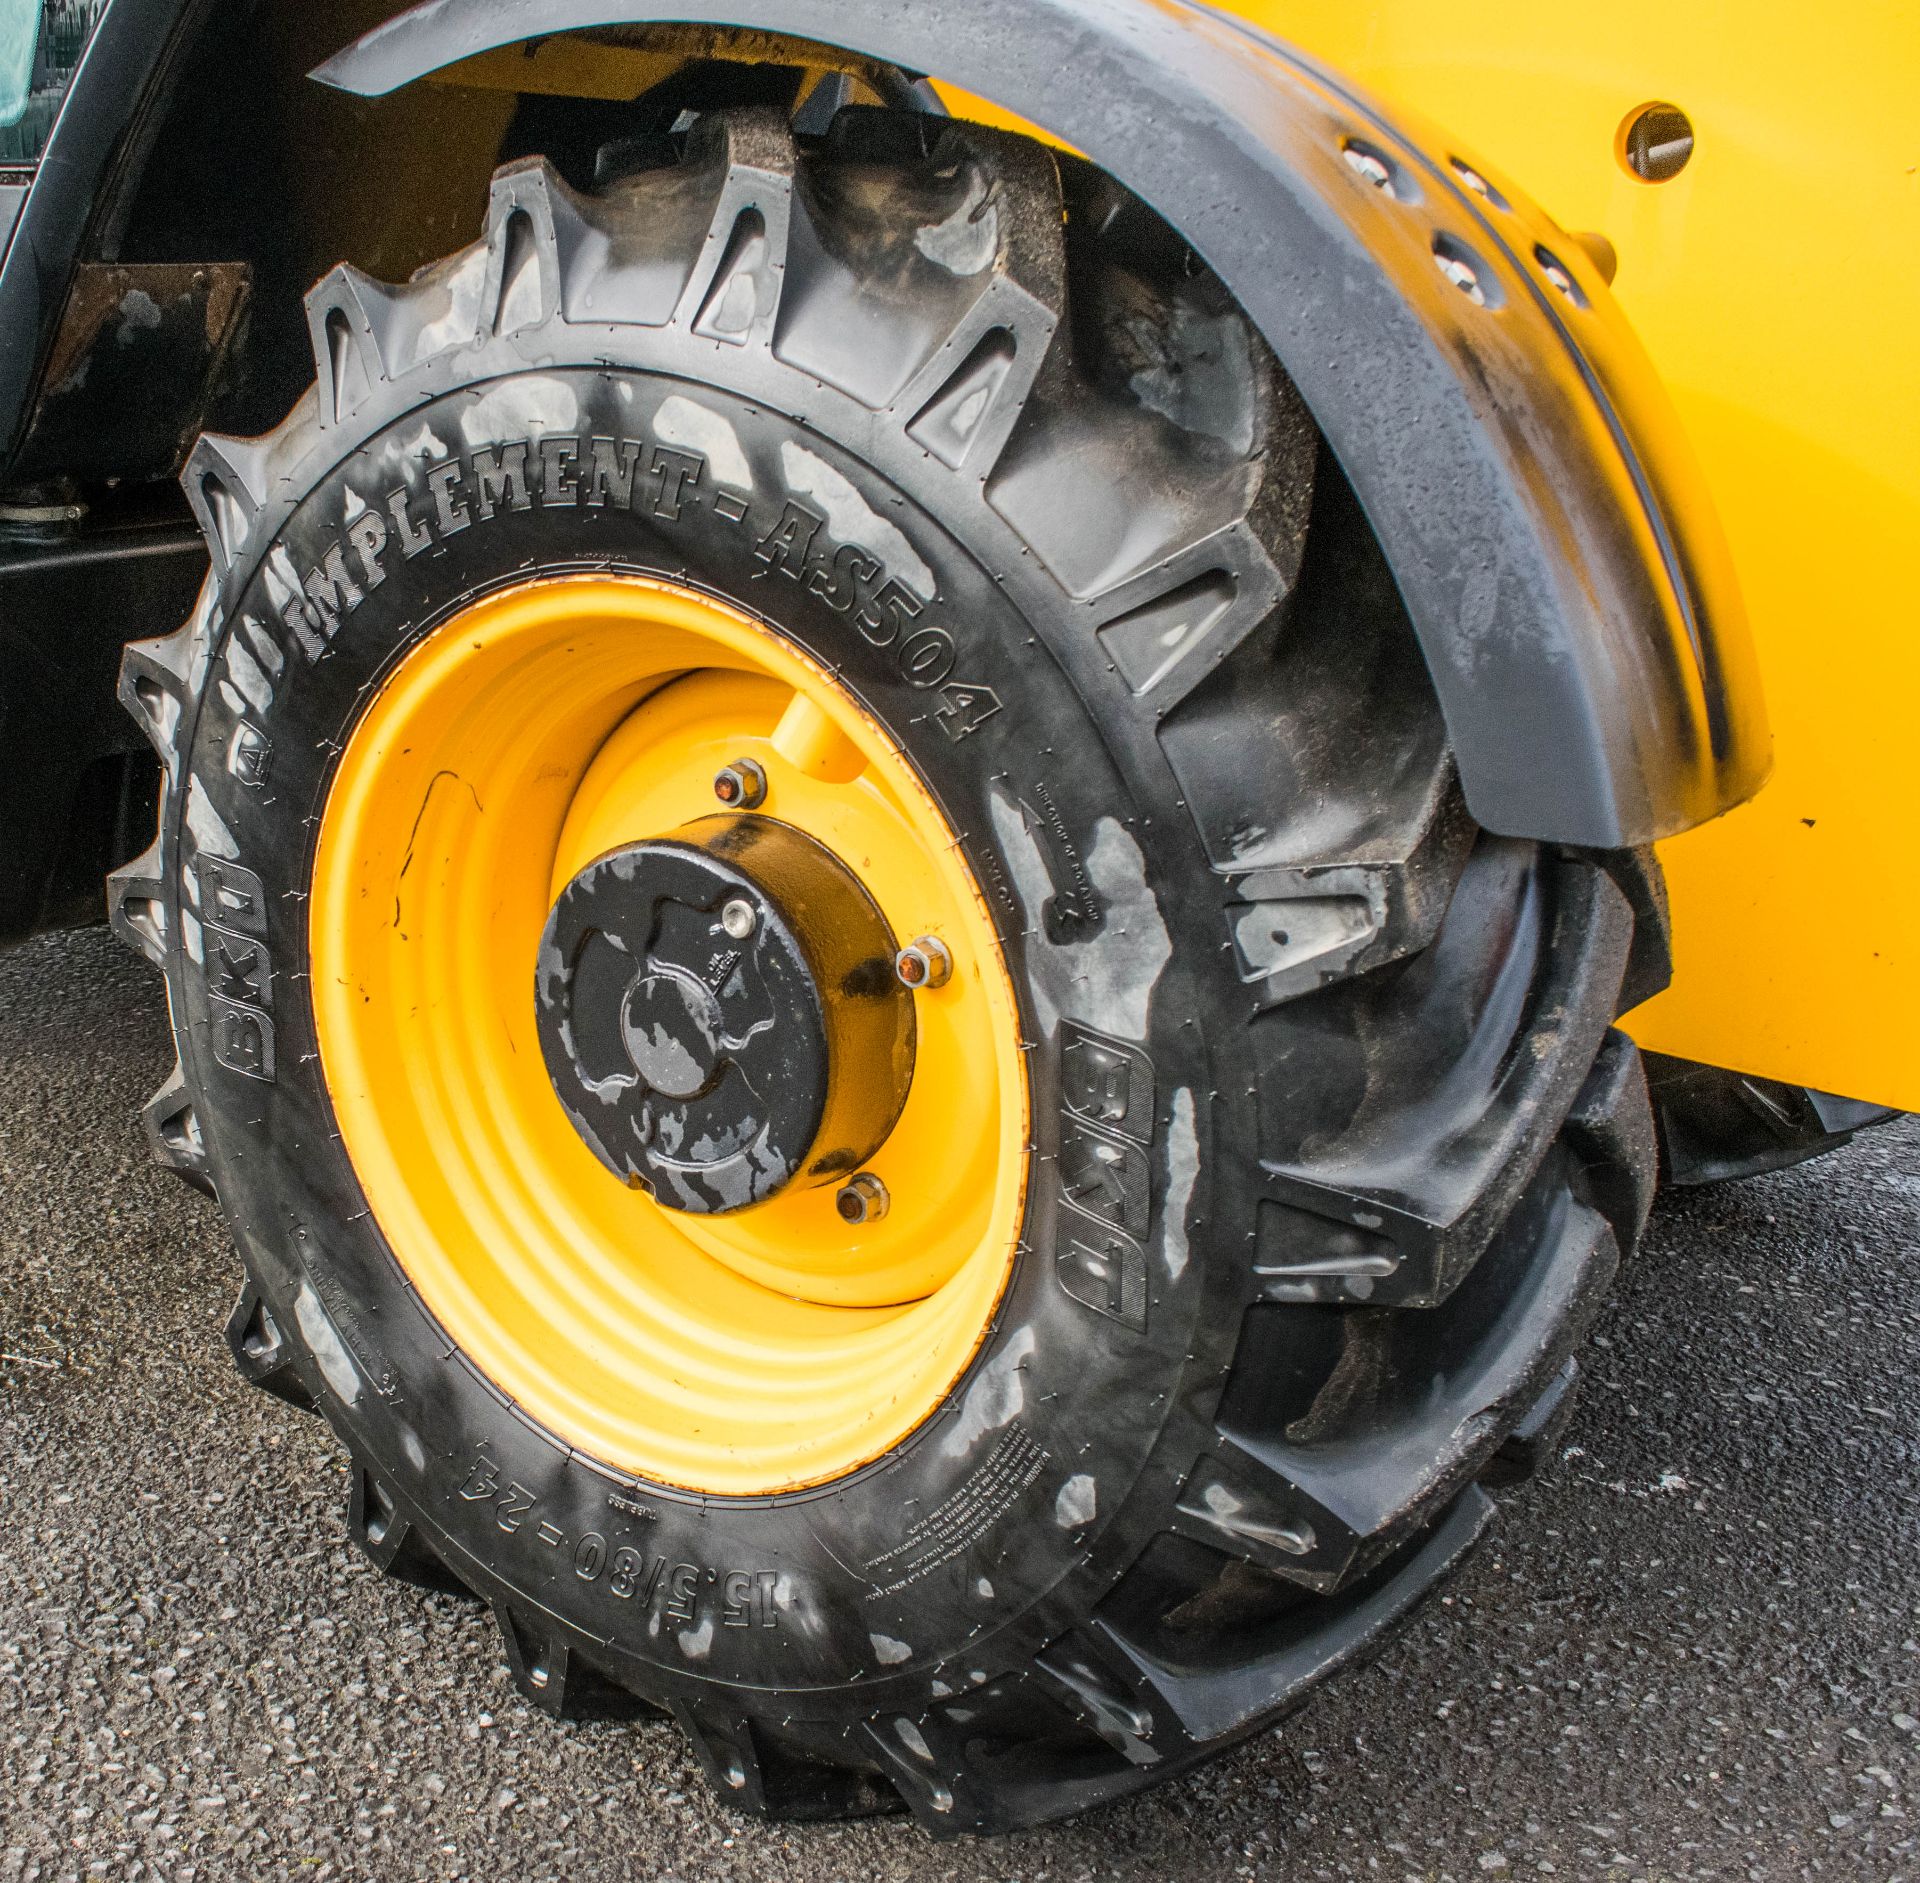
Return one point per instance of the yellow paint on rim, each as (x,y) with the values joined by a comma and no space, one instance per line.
(771,1349)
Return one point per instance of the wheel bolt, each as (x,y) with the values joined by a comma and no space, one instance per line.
(739,918)
(861,1199)
(742,785)
(925,962)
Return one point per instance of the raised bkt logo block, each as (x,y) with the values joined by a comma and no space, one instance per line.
(242,1038)
(238,969)
(231,896)
(1107,1083)
(1104,1176)
(1103,1269)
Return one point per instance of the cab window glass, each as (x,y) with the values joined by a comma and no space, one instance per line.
(40,45)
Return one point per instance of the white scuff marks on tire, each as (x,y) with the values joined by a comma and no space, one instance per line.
(696,1642)
(423,444)
(888,1651)
(1077,1503)
(210,832)
(966,241)
(693,427)
(192,939)
(1183,1172)
(913,1739)
(997,1397)
(521,408)
(410,1444)
(1104,979)
(324,1343)
(983,1589)
(851,519)
(200,628)
(247,676)
(283,585)
(458,289)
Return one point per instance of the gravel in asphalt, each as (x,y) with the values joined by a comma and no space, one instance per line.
(1688,1651)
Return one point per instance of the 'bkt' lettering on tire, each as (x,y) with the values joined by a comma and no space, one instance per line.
(1106,1092)
(238,966)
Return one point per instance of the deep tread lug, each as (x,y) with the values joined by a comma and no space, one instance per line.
(1166,629)
(533,220)
(262,1353)
(157,679)
(964,403)
(1526,1449)
(732,295)
(728,1756)
(1295,931)
(1212,1705)
(136,906)
(552,1675)
(1263,1519)
(347,314)
(1078,1673)
(923,1758)
(1362,1236)
(173,1132)
(1375,1489)
(1610,1133)
(390,1541)
(970,244)
(226,481)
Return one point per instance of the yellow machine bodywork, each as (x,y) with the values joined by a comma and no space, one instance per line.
(1775,281)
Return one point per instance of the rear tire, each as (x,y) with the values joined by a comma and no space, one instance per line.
(1334,1148)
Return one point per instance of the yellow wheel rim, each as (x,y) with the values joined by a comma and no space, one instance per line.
(741,1354)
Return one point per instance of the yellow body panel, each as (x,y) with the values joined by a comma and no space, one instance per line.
(1776,283)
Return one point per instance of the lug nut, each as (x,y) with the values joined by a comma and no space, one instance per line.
(741,786)
(739,918)
(861,1199)
(925,962)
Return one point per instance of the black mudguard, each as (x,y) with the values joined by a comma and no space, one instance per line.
(1513,449)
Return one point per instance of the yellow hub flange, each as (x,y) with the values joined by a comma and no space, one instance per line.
(537,730)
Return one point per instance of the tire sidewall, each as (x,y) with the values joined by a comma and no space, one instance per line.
(996,1525)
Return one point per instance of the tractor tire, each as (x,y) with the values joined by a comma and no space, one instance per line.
(1313,1150)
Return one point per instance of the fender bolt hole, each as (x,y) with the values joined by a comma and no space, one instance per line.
(1557,275)
(741,786)
(1477,183)
(1465,270)
(1375,167)
(739,919)
(925,962)
(862,1199)
(1656,142)
(1368,164)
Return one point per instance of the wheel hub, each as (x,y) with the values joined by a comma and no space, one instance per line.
(719,1015)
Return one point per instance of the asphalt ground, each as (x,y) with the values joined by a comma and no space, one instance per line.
(1689,1650)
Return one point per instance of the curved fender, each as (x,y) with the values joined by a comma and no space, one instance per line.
(1508,438)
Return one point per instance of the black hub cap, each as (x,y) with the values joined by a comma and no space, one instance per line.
(720,1016)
